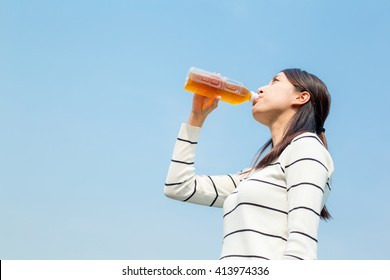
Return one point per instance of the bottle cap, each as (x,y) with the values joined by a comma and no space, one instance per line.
(254,95)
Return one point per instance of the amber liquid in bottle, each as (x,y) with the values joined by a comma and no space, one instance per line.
(212,85)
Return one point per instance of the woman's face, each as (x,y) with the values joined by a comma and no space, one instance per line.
(275,100)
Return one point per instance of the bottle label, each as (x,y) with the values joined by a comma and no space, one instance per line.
(218,82)
(233,87)
(209,80)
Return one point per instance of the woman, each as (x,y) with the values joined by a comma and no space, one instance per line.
(272,210)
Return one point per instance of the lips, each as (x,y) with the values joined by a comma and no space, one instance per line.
(255,101)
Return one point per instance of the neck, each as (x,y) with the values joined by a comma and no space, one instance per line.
(279,127)
(277,133)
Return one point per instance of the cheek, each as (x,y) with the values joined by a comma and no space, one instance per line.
(275,104)
(279,100)
(267,102)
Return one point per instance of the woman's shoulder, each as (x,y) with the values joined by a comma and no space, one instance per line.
(307,138)
(306,145)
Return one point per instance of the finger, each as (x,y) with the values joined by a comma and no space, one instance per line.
(216,101)
(211,103)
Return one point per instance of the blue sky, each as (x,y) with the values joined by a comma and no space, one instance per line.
(91,100)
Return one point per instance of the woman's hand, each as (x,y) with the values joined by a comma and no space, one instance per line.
(201,107)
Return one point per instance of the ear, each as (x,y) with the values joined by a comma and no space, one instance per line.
(301,98)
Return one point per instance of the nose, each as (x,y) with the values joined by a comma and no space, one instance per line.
(260,90)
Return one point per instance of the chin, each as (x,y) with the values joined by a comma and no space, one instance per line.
(259,117)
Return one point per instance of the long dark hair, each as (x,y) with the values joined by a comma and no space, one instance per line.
(310,117)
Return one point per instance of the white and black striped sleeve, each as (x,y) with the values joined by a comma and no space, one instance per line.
(183,184)
(308,168)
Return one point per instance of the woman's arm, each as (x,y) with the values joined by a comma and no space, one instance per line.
(183,184)
(308,168)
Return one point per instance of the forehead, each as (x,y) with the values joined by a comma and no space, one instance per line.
(280,75)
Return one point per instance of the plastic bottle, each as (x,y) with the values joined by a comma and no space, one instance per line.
(214,84)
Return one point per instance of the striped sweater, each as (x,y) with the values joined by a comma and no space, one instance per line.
(271,213)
